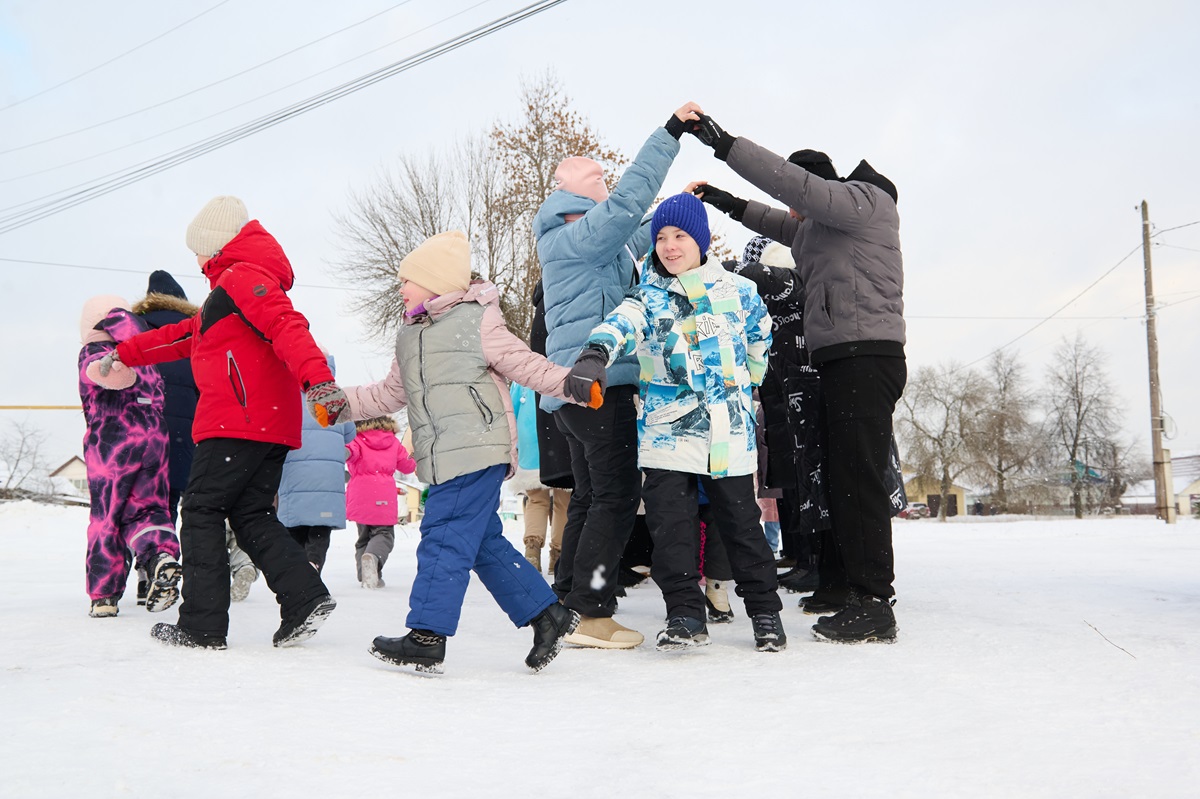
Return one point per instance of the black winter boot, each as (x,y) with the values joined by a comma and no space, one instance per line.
(305,623)
(175,635)
(768,632)
(683,632)
(865,618)
(162,582)
(549,627)
(825,600)
(800,580)
(421,648)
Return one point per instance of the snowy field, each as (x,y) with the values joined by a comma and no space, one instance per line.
(999,686)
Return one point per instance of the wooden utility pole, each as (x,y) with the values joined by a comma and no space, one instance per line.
(1164,499)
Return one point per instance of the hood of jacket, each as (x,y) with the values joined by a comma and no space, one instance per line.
(377,439)
(555,209)
(164,302)
(252,245)
(483,292)
(121,325)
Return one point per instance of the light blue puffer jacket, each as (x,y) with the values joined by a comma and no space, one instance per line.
(588,264)
(312,490)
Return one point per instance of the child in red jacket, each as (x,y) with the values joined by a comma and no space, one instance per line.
(373,458)
(251,355)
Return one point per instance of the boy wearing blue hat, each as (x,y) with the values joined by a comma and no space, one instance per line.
(701,335)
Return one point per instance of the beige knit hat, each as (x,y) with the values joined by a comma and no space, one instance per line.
(441,264)
(216,225)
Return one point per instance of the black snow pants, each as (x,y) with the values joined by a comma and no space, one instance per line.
(672,504)
(859,395)
(237,480)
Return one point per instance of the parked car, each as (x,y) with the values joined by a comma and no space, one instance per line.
(915,510)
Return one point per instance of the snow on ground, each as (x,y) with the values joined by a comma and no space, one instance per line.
(999,686)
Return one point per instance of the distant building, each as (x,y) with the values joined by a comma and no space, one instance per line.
(73,473)
(1139,497)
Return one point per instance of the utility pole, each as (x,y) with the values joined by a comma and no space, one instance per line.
(1164,500)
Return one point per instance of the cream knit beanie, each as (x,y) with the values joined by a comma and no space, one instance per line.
(441,264)
(216,225)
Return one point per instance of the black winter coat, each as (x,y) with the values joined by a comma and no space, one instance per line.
(166,304)
(554,456)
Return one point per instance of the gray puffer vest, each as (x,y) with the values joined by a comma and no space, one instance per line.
(458,418)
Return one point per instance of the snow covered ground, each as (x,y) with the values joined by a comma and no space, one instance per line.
(999,686)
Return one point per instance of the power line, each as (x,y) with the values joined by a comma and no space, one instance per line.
(199,89)
(1061,308)
(224,111)
(114,58)
(92,267)
(1044,320)
(99,188)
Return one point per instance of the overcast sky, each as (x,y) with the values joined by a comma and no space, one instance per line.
(1022,137)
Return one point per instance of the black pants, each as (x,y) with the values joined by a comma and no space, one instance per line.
(315,540)
(671,511)
(859,396)
(237,480)
(604,448)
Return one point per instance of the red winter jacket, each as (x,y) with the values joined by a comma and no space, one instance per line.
(251,350)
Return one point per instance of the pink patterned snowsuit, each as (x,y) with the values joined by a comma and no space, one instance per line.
(125,450)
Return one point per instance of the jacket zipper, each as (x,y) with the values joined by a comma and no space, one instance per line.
(235,380)
(484,411)
(425,402)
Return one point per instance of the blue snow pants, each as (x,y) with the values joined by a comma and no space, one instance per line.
(461,532)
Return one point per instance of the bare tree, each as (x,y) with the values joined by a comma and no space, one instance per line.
(1080,409)
(488,186)
(935,425)
(1005,438)
(385,222)
(20,452)
(549,131)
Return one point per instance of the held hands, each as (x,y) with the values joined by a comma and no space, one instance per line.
(587,380)
(710,133)
(683,119)
(110,363)
(723,201)
(327,403)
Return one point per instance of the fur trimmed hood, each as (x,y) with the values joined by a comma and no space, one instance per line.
(164,302)
(385,423)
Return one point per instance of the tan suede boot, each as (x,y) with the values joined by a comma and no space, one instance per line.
(533,554)
(603,633)
(553,563)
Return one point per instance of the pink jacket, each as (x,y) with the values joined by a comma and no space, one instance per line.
(374,458)
(506,356)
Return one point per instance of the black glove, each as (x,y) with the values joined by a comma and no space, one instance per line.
(677,127)
(723,201)
(588,369)
(709,132)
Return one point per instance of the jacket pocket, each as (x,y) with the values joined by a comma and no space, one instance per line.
(235,378)
(485,412)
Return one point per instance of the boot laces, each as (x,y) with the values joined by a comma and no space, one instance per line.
(766,623)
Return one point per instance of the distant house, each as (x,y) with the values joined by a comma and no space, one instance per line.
(72,473)
(1139,497)
(930,492)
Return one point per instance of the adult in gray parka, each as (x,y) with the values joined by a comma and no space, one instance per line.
(845,239)
(588,242)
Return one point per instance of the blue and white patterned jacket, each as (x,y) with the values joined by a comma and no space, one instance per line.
(701,341)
